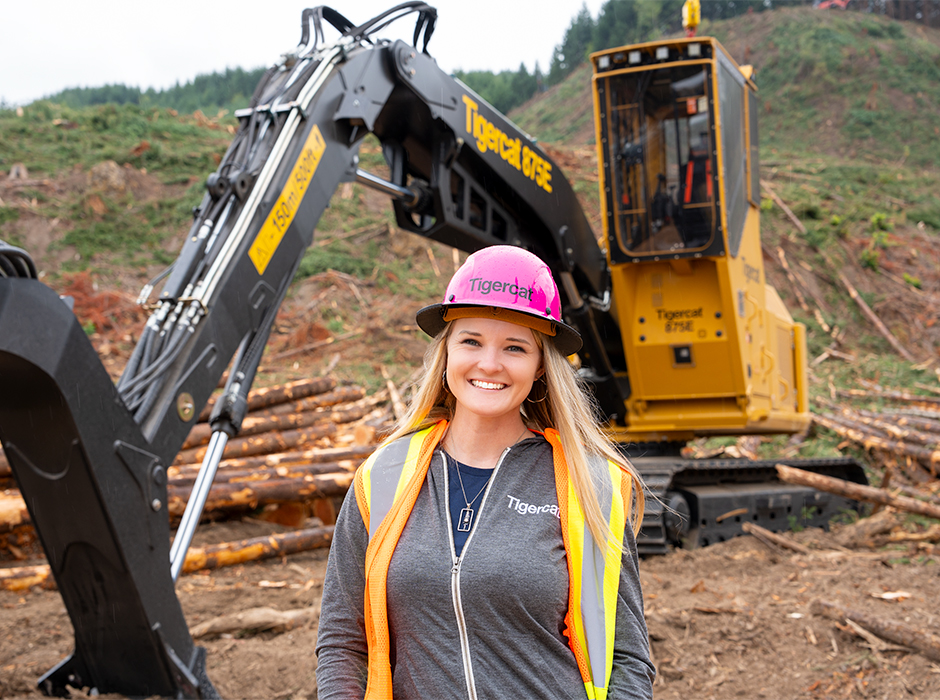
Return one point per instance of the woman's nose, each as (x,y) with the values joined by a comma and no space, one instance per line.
(489,360)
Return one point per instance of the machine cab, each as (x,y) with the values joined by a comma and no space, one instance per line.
(665,111)
(709,346)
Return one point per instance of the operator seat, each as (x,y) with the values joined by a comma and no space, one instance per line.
(697,188)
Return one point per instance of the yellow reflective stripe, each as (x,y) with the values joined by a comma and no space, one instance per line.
(605,576)
(365,478)
(391,463)
(612,568)
(411,461)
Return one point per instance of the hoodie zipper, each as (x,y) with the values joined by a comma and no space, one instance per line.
(455,574)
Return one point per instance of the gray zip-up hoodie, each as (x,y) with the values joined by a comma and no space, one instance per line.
(488,624)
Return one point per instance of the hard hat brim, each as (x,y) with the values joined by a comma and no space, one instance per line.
(431,320)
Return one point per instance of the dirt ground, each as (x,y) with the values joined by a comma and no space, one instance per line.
(729,621)
(35,630)
(733,621)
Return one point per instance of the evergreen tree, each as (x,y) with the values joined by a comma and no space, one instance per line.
(539,79)
(616,23)
(503,90)
(574,48)
(523,85)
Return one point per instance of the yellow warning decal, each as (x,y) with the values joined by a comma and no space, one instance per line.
(281,216)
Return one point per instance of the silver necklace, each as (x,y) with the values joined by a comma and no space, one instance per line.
(465,522)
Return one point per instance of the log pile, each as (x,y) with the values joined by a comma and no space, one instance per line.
(905,436)
(299,447)
(21,578)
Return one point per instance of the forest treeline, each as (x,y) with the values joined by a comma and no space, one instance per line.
(618,22)
(231,90)
(621,22)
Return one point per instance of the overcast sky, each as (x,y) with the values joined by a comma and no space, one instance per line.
(49,45)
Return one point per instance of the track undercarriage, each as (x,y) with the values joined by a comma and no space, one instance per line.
(697,502)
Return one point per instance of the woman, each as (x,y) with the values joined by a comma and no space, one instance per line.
(462,565)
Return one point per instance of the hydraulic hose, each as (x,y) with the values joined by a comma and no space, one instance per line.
(15,262)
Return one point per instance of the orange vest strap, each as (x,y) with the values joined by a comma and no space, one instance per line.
(596,634)
(378,557)
(561,489)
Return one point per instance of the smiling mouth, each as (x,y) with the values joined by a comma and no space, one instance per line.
(486,385)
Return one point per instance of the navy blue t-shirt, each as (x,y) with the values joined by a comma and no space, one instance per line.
(474,482)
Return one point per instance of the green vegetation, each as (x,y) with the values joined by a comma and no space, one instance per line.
(869,258)
(8,215)
(926,210)
(135,232)
(873,80)
(356,242)
(912,280)
(879,222)
(110,221)
(621,22)
(550,117)
(50,138)
(841,198)
(348,258)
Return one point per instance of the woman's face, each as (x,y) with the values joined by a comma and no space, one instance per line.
(491,366)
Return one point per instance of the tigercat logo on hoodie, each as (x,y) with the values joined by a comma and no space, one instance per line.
(524,508)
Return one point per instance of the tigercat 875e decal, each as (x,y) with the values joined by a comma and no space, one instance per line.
(489,137)
(282,214)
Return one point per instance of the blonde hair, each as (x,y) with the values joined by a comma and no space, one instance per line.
(566,406)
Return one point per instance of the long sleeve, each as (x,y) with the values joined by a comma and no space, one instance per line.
(342,650)
(633,672)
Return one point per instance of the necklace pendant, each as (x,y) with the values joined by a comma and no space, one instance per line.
(466,520)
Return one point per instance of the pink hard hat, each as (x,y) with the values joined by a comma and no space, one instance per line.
(507,282)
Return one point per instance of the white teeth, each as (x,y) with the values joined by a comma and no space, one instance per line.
(486,385)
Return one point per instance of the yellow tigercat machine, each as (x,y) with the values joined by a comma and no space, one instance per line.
(711,348)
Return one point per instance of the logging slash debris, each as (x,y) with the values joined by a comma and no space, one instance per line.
(292,463)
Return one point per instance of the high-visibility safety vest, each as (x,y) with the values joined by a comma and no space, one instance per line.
(387,486)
